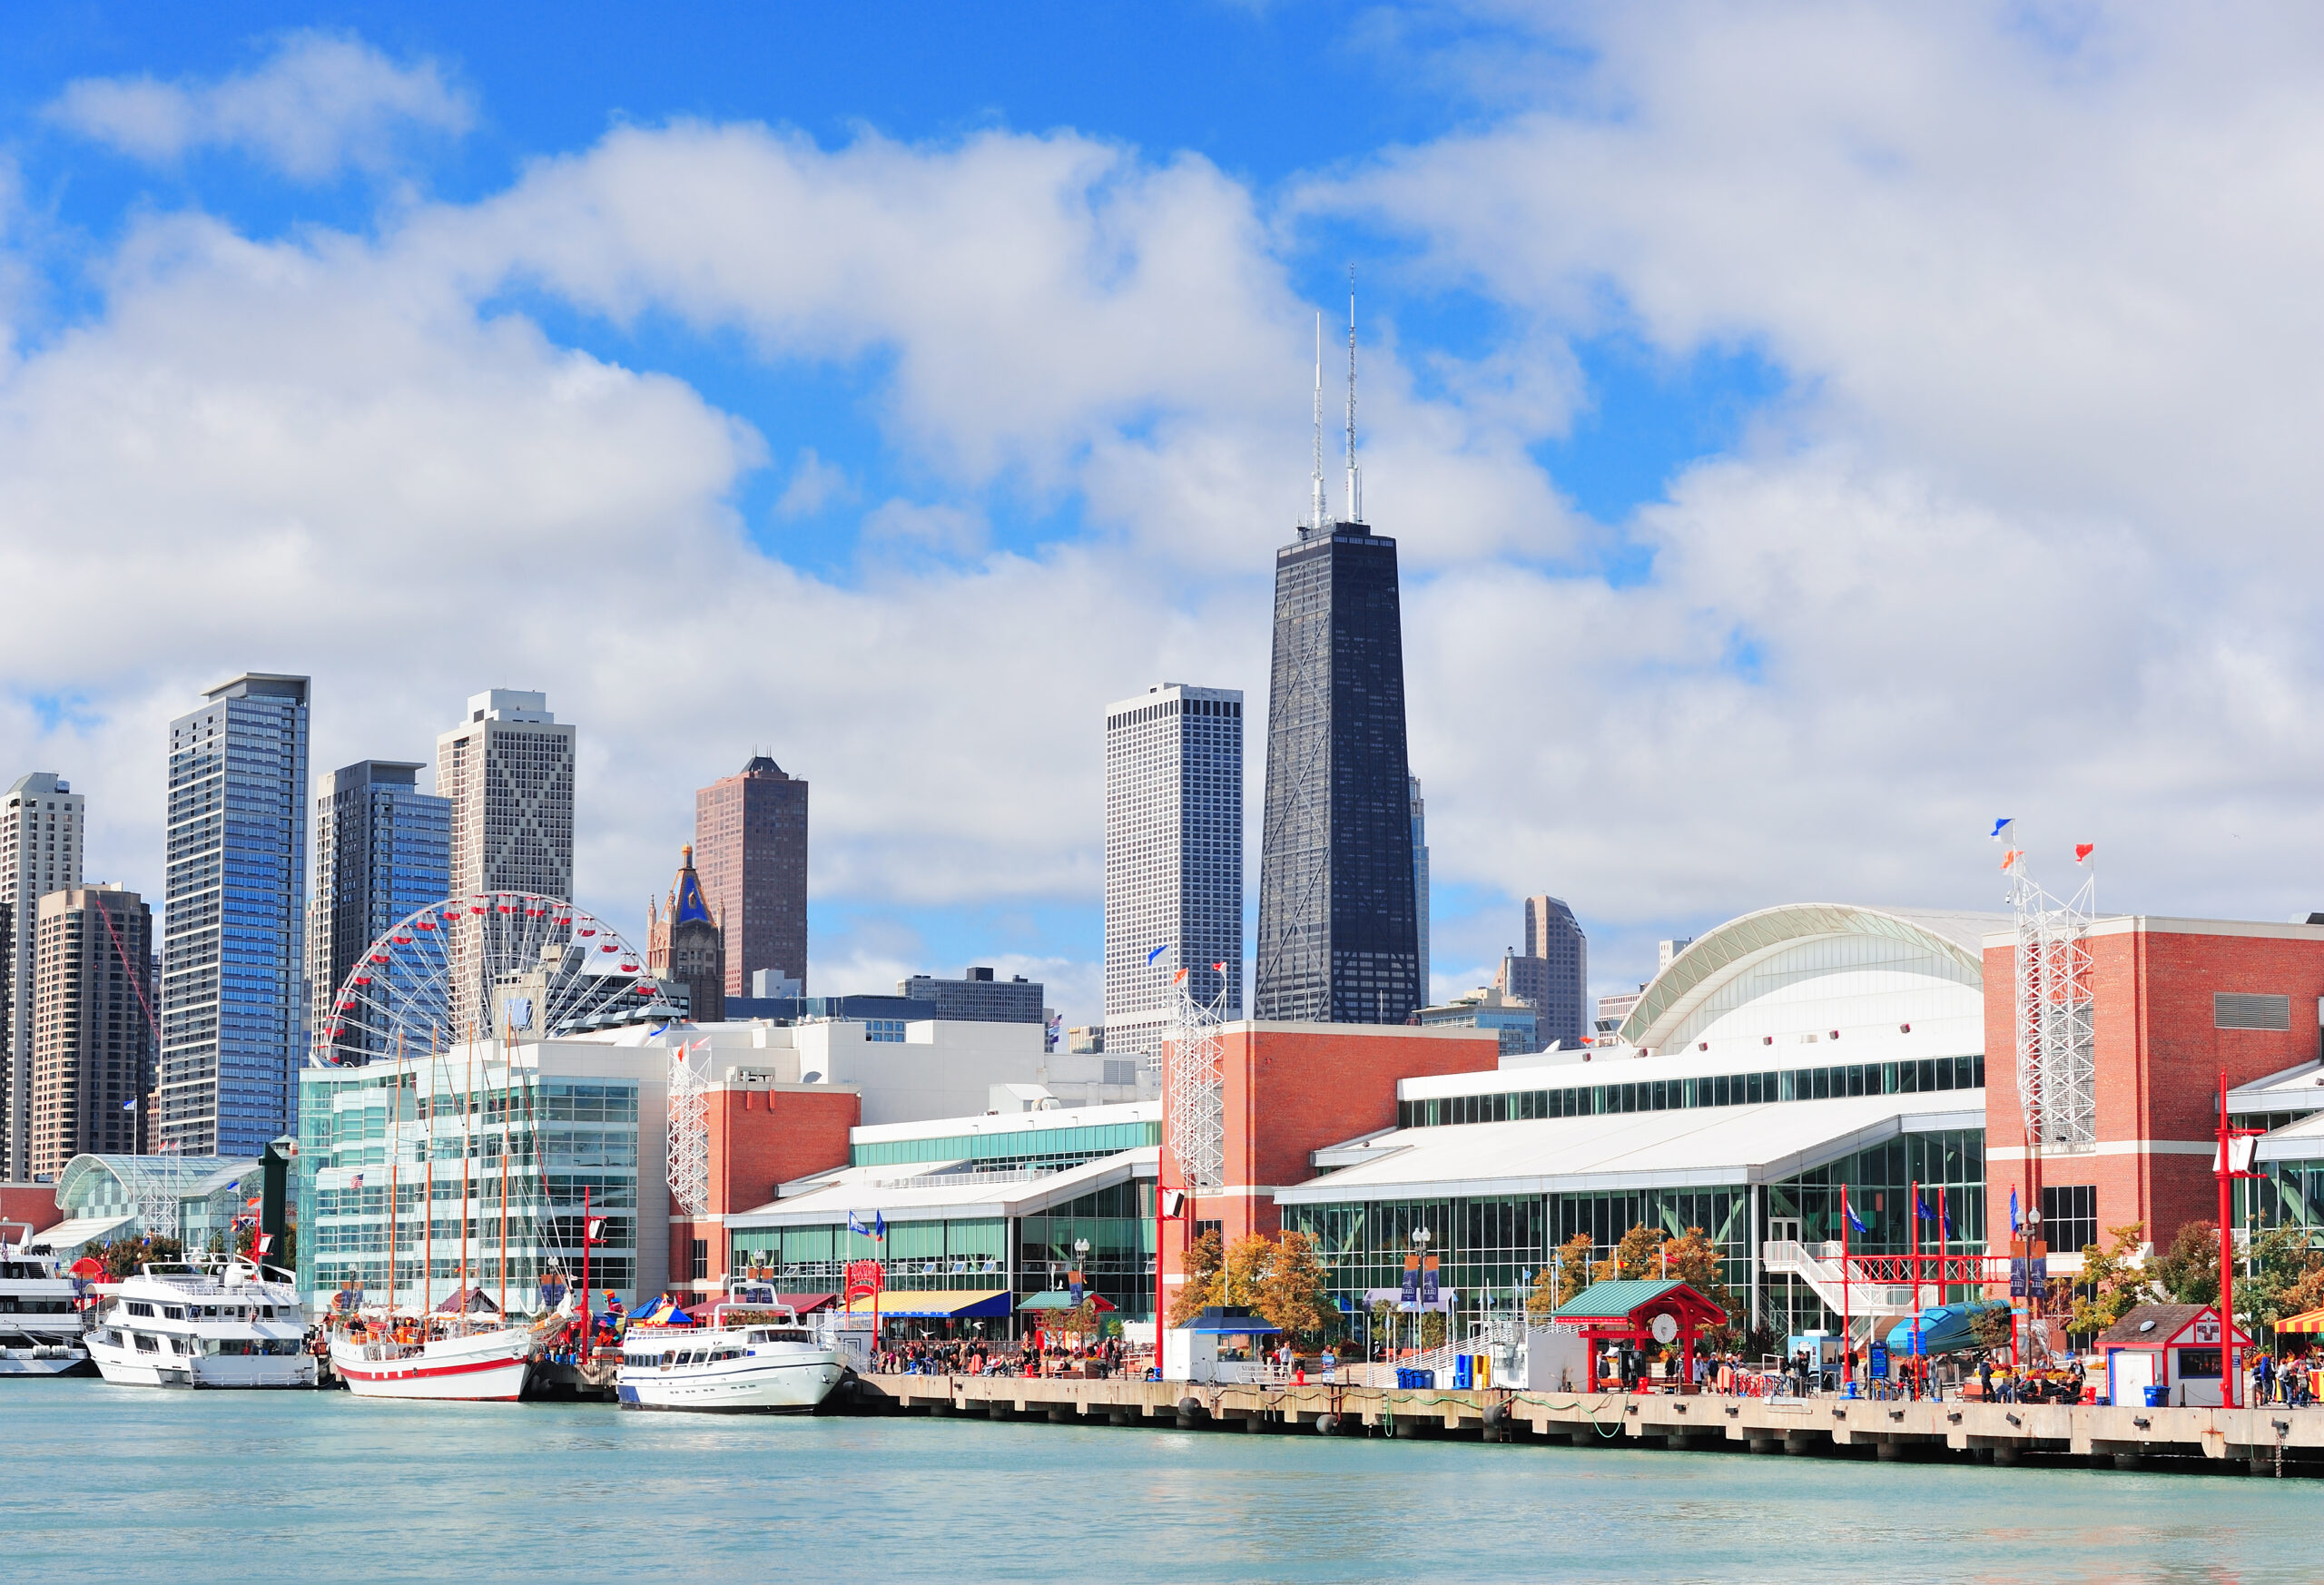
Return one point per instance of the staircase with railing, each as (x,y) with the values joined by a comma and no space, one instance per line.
(1866,1304)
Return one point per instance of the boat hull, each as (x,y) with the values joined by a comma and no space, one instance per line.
(43,1361)
(487,1368)
(125,1368)
(747,1386)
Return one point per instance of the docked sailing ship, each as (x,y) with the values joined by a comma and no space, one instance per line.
(216,1323)
(470,1357)
(753,1357)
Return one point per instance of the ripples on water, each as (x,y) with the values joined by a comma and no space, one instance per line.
(195,1487)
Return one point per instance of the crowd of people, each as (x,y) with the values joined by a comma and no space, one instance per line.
(1036,1356)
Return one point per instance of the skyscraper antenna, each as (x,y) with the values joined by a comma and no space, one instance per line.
(1318,513)
(1354,478)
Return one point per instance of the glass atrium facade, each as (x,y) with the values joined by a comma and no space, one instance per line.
(479,1187)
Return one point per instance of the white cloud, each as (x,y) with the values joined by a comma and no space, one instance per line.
(319,103)
(1997,551)
(814,486)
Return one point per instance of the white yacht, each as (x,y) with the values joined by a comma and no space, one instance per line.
(40,1314)
(754,1357)
(203,1324)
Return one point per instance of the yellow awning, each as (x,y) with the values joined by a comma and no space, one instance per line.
(2313,1321)
(936,1305)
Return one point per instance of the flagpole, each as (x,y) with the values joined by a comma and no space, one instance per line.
(1847,1321)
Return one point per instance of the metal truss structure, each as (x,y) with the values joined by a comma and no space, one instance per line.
(1194,1088)
(2057,1071)
(431,982)
(689,1126)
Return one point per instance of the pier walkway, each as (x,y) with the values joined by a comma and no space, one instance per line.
(2269,1440)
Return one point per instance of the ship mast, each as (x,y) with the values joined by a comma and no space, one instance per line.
(395,1160)
(468,1147)
(507,1071)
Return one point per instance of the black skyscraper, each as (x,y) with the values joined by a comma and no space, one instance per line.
(1339,936)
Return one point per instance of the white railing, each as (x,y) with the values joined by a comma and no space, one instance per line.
(1862,1302)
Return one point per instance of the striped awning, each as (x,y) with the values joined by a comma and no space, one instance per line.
(2312,1321)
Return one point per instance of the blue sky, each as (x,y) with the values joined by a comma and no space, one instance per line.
(890,392)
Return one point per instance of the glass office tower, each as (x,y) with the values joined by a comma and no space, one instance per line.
(235,924)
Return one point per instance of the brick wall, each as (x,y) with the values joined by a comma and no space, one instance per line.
(2159,1057)
(760,1139)
(1294,1089)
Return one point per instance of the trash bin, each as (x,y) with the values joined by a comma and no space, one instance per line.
(1464,1374)
(2157,1397)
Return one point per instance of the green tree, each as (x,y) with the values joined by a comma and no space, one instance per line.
(1991,1328)
(2188,1272)
(1203,1261)
(2112,1282)
(1081,1321)
(2282,1265)
(1432,1329)
(122,1257)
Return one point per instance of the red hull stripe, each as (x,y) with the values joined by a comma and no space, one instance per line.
(422,1372)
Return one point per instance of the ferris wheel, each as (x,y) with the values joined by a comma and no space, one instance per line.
(430,981)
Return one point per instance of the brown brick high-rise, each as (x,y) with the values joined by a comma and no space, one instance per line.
(92,1049)
(750,846)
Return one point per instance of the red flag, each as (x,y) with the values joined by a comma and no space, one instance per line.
(1178,977)
(2083,850)
(2011,857)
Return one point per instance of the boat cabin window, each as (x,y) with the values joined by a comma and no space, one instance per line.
(146,1344)
(139,1307)
(669,1358)
(173,1312)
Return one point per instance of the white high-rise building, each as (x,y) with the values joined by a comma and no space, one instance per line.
(40,853)
(1174,856)
(508,770)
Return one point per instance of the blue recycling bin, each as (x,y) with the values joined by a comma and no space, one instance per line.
(2157,1397)
(1464,1372)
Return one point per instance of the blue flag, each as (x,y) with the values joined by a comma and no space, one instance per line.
(1856,1221)
(1920,1208)
(1157,953)
(1949,1233)
(2013,1213)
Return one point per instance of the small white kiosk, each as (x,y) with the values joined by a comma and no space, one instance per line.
(2172,1355)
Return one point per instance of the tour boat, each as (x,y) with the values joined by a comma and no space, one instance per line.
(196,1323)
(754,1357)
(40,1318)
(468,1358)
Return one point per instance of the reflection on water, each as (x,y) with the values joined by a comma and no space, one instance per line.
(378,1490)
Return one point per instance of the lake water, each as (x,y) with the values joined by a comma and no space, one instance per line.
(197,1487)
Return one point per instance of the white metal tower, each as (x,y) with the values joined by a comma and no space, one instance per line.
(689,1134)
(1193,1059)
(2057,1072)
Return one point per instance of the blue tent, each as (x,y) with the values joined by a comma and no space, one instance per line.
(1944,1328)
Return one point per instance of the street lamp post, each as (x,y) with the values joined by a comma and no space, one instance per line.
(1420,1247)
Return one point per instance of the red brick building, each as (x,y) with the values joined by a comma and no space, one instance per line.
(761,1135)
(2174,1003)
(1294,1089)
